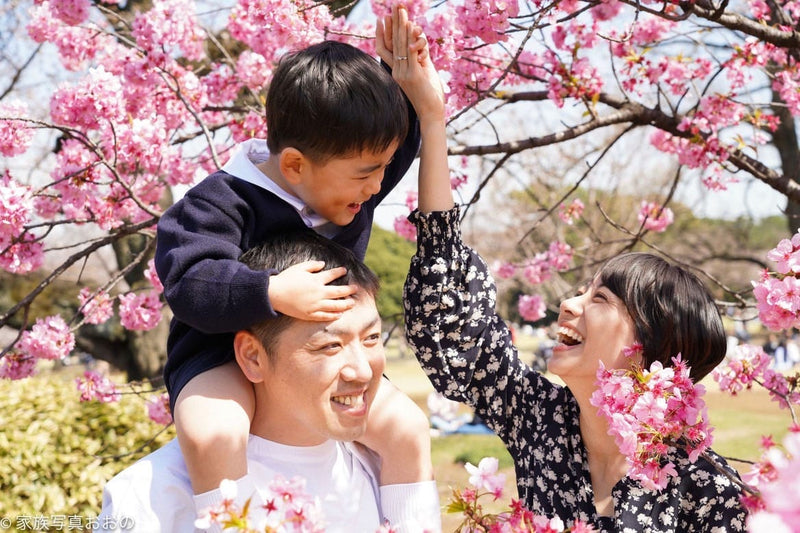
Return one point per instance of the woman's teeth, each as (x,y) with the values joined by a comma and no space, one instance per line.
(568,336)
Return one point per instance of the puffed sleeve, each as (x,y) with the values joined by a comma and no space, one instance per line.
(462,344)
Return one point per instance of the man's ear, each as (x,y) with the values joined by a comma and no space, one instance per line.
(250,355)
(292,164)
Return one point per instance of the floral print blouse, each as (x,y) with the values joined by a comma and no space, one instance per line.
(465,349)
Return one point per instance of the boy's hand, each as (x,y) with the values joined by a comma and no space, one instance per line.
(302,291)
(403,46)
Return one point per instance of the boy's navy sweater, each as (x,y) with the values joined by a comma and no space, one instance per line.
(199,241)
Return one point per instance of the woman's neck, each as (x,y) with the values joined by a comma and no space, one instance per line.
(607,465)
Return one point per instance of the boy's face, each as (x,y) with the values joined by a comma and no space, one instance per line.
(336,189)
(322,378)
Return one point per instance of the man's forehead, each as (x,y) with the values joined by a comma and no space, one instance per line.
(363,315)
(364,312)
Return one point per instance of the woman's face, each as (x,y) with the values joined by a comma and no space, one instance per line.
(594,326)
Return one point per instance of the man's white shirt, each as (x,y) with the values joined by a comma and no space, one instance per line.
(154,494)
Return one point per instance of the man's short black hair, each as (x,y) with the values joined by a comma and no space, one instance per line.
(290,248)
(333,100)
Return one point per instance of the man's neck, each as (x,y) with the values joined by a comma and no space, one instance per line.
(282,433)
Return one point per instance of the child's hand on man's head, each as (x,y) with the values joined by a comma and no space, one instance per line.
(302,291)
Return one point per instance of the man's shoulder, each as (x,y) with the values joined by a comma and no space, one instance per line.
(161,467)
(154,493)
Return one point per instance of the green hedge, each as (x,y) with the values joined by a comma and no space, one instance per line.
(57,452)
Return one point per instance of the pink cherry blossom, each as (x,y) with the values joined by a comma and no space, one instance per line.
(743,366)
(405,229)
(24,256)
(655,217)
(485,476)
(49,338)
(251,126)
(649,411)
(88,102)
(780,390)
(158,409)
(94,386)
(283,506)
(537,269)
(786,255)
(412,198)
(775,475)
(457,180)
(152,276)
(569,214)
(531,307)
(543,524)
(76,45)
(15,135)
(559,255)
(15,365)
(487,19)
(254,70)
(16,204)
(140,311)
(170,23)
(97,307)
(778,301)
(503,269)
(582,527)
(71,12)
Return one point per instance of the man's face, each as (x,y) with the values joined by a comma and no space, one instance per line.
(321,380)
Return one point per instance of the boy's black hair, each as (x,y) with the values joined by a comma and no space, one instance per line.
(289,248)
(333,100)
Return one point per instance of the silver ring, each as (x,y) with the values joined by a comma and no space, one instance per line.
(401,58)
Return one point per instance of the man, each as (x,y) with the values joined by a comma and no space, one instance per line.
(314,387)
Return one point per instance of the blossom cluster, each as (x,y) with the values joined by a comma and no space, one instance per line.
(94,386)
(649,411)
(746,365)
(778,293)
(486,481)
(52,338)
(537,270)
(283,507)
(775,475)
(655,217)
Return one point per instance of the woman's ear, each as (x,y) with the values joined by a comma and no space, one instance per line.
(292,164)
(250,355)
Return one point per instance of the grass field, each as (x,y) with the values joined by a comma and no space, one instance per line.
(739,423)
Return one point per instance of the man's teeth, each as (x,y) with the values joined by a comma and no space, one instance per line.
(350,401)
(570,337)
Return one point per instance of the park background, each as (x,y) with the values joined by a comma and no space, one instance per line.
(543,116)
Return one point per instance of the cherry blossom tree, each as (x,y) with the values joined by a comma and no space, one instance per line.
(155,94)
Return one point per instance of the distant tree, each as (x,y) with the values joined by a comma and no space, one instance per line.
(389,255)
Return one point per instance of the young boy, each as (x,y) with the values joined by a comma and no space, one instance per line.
(340,136)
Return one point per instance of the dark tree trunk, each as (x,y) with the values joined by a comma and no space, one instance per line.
(785,141)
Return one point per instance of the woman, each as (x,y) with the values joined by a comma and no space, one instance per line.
(567,465)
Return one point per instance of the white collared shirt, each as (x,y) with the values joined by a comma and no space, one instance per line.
(242,165)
